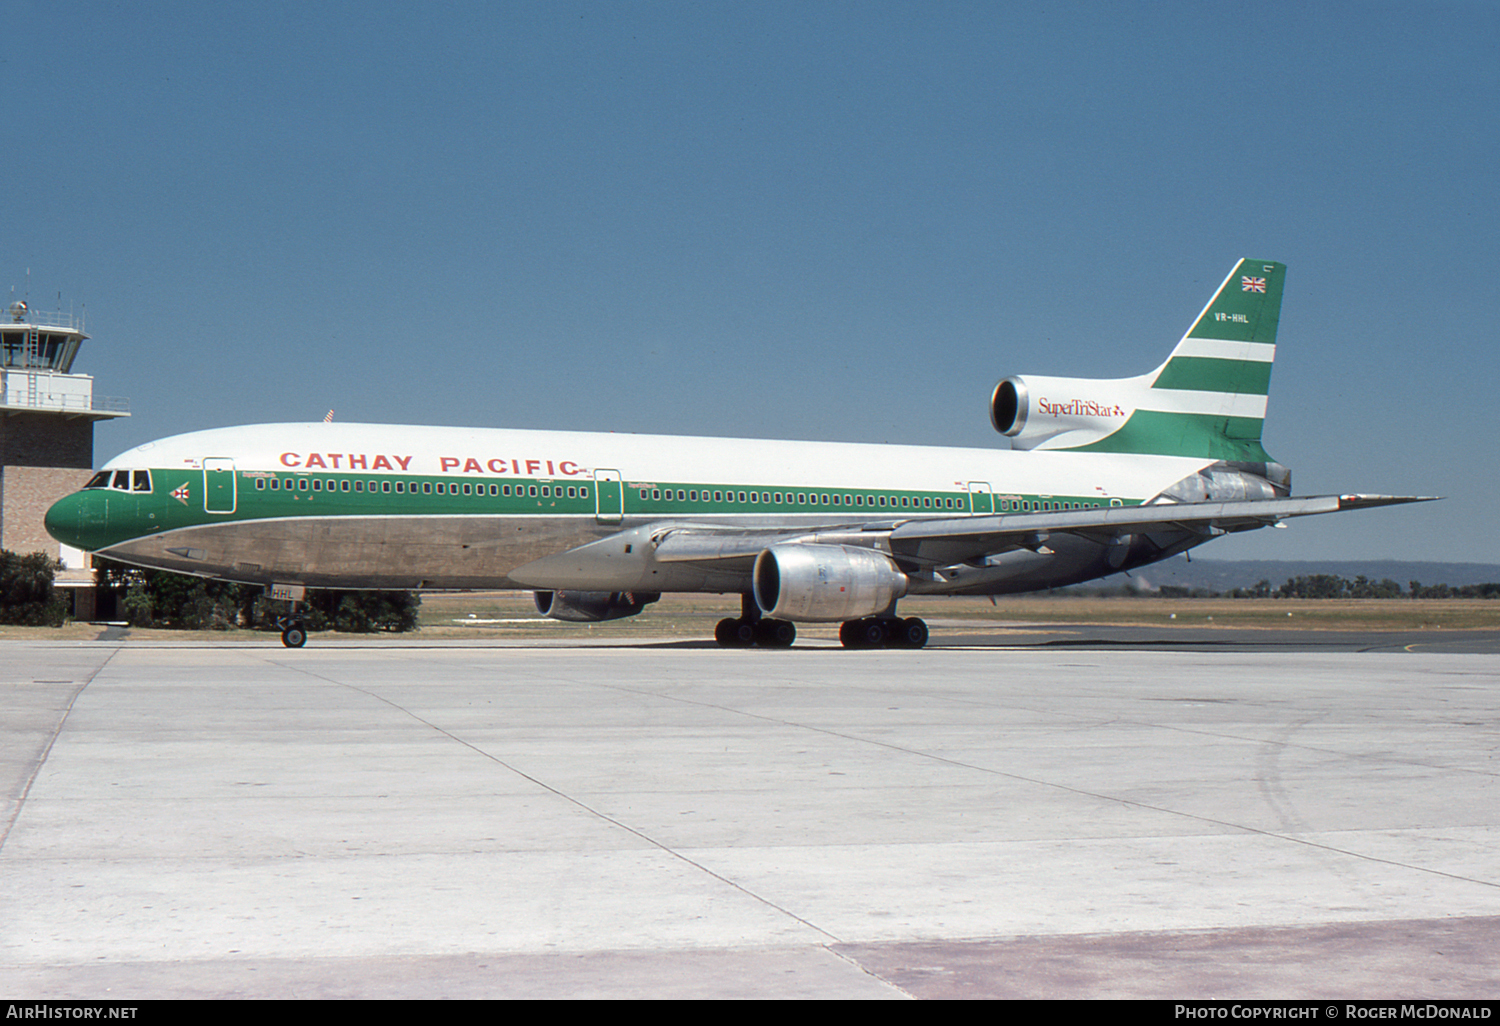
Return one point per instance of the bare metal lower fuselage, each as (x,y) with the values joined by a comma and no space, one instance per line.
(482,552)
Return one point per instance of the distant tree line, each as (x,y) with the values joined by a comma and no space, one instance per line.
(1332,586)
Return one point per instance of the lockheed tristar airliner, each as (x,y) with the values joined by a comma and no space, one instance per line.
(1101,476)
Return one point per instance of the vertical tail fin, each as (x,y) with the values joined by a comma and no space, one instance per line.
(1209,398)
(1230,346)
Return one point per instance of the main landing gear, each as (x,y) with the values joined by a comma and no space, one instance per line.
(738,632)
(750,628)
(883,632)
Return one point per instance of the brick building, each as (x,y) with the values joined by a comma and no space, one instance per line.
(47,417)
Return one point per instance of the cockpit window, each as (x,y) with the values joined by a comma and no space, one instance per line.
(122,480)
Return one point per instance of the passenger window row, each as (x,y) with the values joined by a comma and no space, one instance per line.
(846,500)
(140,481)
(303,483)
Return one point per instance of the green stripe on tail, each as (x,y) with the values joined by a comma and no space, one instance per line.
(1207,400)
(1152,432)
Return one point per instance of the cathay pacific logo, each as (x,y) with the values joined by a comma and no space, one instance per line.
(1079,408)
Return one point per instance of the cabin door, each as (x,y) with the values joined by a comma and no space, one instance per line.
(981,501)
(609,497)
(218,485)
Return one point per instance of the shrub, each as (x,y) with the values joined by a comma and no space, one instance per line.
(26,592)
(158,598)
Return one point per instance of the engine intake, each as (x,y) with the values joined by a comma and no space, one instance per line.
(1039,412)
(825,583)
(591,606)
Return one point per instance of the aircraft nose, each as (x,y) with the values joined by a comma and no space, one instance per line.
(77,520)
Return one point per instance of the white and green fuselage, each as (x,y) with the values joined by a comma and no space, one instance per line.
(381,506)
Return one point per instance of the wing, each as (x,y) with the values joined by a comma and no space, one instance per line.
(938,543)
(725,556)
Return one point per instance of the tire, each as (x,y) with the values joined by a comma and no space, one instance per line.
(777,633)
(294,636)
(913,633)
(724,633)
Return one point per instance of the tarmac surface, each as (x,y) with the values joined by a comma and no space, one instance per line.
(1045,813)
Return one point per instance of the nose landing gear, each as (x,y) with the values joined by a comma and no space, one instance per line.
(293,632)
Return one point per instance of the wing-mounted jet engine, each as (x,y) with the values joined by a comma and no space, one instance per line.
(591,606)
(826,583)
(832,583)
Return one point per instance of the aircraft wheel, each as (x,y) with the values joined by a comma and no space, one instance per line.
(869,632)
(294,636)
(912,632)
(737,632)
(883,632)
(776,633)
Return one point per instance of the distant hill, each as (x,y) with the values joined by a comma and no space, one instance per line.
(1222,575)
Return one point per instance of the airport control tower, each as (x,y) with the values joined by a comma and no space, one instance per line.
(47,416)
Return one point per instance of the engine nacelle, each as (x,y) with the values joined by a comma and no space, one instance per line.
(1232,482)
(824,583)
(591,606)
(1036,412)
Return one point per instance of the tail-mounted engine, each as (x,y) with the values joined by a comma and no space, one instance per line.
(1055,413)
(592,606)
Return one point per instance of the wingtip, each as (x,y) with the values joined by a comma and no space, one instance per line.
(1357,501)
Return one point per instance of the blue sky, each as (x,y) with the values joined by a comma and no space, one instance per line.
(838,221)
